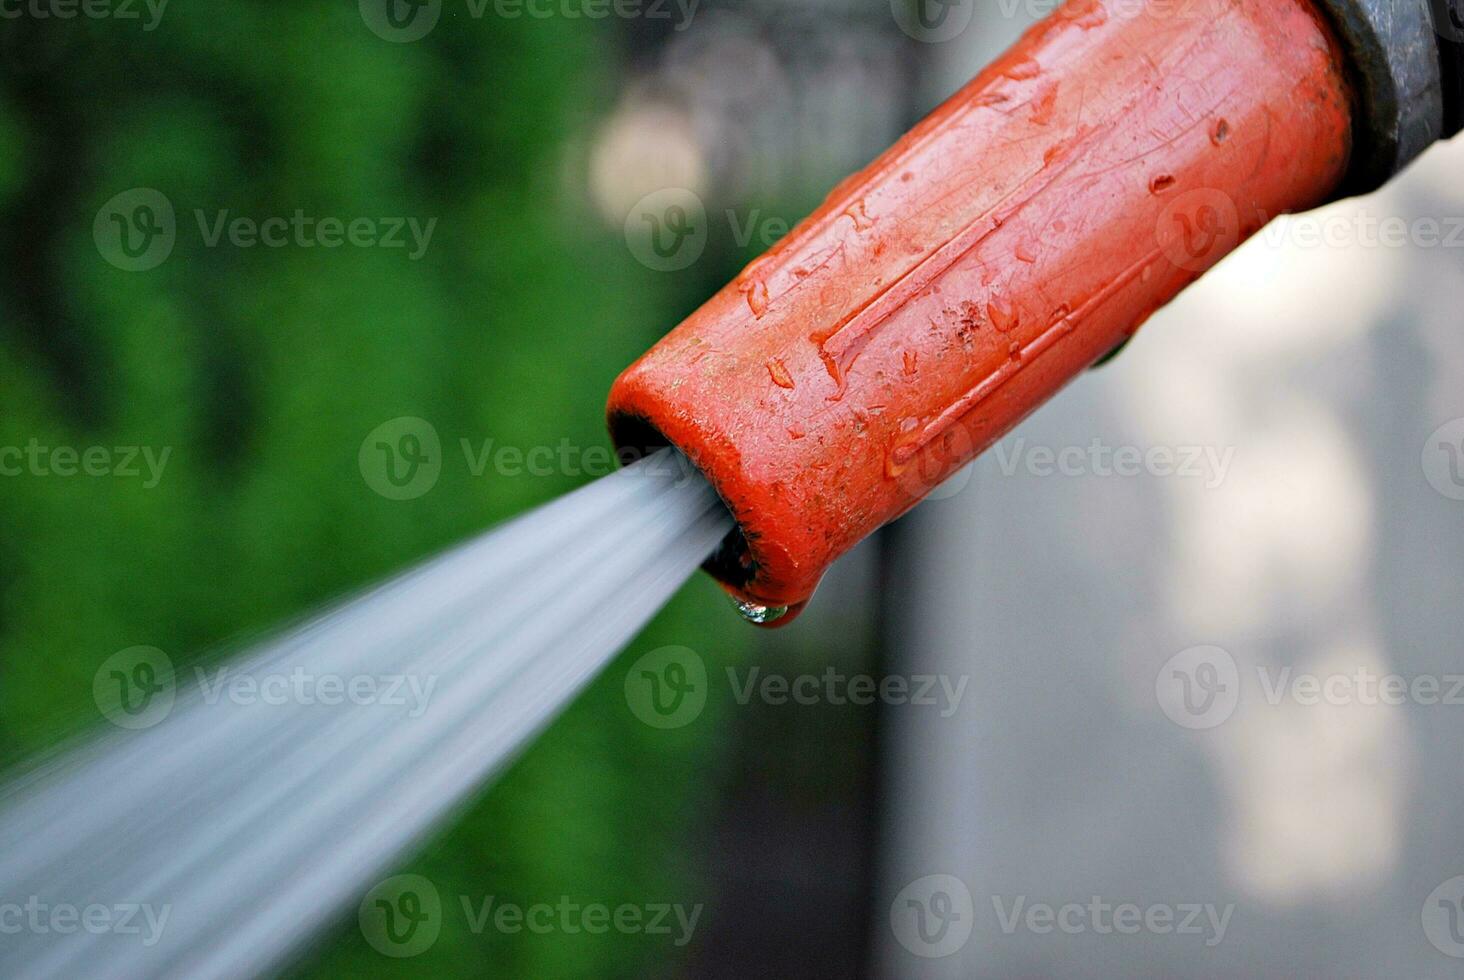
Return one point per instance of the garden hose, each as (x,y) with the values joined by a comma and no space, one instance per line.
(1019,234)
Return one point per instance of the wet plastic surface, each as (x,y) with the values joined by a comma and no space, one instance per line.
(1016,236)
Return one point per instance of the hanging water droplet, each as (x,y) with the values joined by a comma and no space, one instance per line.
(754,613)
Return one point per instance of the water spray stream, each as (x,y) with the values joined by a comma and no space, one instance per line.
(299,806)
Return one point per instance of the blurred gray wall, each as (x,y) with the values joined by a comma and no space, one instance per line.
(1139,725)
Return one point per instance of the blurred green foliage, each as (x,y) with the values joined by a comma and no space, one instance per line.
(264,368)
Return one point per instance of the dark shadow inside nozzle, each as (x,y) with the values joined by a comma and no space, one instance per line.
(635,438)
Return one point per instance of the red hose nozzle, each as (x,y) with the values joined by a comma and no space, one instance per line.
(1017,235)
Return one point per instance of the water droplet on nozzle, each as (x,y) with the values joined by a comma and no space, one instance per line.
(761,615)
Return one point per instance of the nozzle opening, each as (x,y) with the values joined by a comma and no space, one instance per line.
(732,563)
